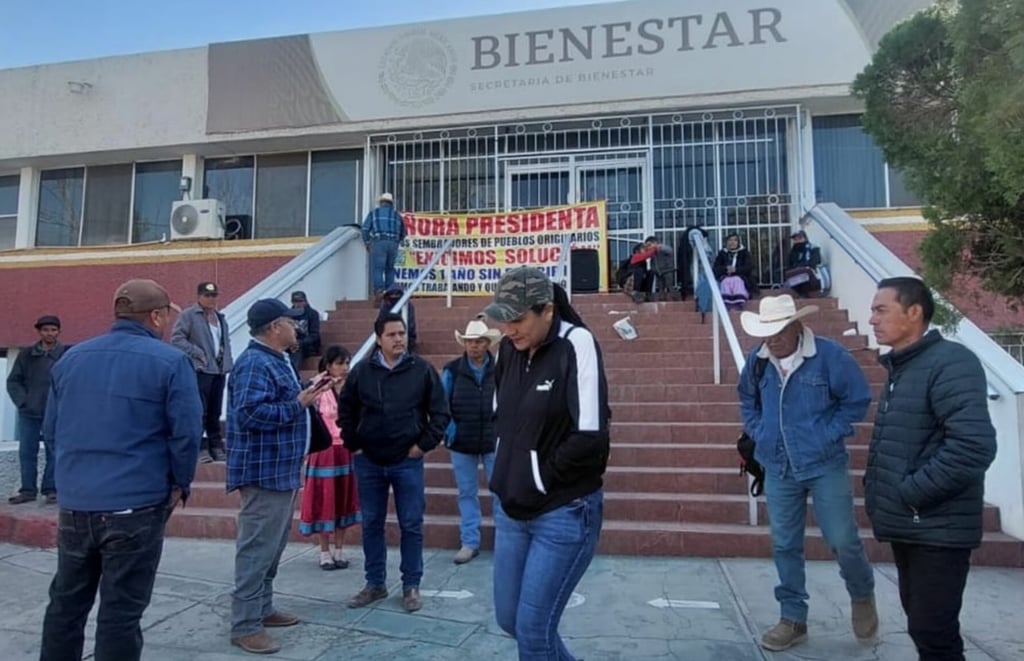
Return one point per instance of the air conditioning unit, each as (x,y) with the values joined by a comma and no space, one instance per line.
(197,219)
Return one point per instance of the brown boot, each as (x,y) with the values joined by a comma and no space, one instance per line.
(19,498)
(367,596)
(784,635)
(281,619)
(464,555)
(411,601)
(864,617)
(257,643)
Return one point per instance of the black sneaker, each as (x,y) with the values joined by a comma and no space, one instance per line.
(204,457)
(219,454)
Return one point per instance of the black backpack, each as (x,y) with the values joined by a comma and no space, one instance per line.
(745,444)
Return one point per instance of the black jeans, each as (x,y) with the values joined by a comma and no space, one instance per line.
(119,554)
(932,581)
(211,392)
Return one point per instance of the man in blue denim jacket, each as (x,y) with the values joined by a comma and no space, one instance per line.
(810,394)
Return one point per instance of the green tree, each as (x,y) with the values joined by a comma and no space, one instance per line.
(944,99)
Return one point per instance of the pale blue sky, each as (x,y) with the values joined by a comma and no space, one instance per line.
(41,31)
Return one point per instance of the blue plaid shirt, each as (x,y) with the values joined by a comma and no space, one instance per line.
(383,224)
(267,427)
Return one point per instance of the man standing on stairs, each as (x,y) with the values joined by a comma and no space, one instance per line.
(932,443)
(383,231)
(800,396)
(307,330)
(201,331)
(391,412)
(469,382)
(268,434)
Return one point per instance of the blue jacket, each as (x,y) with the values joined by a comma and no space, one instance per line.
(802,422)
(267,426)
(383,224)
(125,419)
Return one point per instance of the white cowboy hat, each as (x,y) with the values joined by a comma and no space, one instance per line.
(386,197)
(476,330)
(774,314)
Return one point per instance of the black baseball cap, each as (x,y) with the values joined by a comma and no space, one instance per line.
(266,310)
(207,288)
(48,320)
(299,297)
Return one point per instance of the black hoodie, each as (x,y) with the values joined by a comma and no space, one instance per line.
(551,422)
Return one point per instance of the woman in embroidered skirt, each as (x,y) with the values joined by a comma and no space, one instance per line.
(330,501)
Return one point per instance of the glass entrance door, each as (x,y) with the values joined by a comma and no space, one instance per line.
(620,185)
(530,187)
(617,180)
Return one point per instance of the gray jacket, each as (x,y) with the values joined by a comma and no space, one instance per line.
(29,381)
(192,335)
(932,443)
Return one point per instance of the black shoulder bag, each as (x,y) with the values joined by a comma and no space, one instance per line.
(745,444)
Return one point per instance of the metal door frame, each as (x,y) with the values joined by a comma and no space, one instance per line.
(511,170)
(575,165)
(646,203)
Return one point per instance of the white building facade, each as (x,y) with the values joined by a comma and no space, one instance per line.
(735,116)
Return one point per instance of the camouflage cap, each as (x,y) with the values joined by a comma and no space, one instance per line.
(518,291)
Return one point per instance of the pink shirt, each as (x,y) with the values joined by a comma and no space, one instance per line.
(327,404)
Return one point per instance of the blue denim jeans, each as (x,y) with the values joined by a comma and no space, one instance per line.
(28,457)
(833,510)
(374,481)
(383,254)
(117,554)
(537,563)
(465,468)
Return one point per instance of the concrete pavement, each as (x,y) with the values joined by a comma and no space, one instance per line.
(626,608)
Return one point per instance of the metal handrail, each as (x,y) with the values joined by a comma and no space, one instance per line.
(700,250)
(284,279)
(565,265)
(874,268)
(719,311)
(368,345)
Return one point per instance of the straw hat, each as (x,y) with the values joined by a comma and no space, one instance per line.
(775,313)
(476,330)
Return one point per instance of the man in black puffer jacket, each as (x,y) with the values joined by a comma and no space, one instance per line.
(932,443)
(391,412)
(469,382)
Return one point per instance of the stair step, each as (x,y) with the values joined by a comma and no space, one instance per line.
(700,432)
(38,527)
(697,507)
(619,537)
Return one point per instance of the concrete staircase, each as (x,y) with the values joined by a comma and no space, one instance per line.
(673,485)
